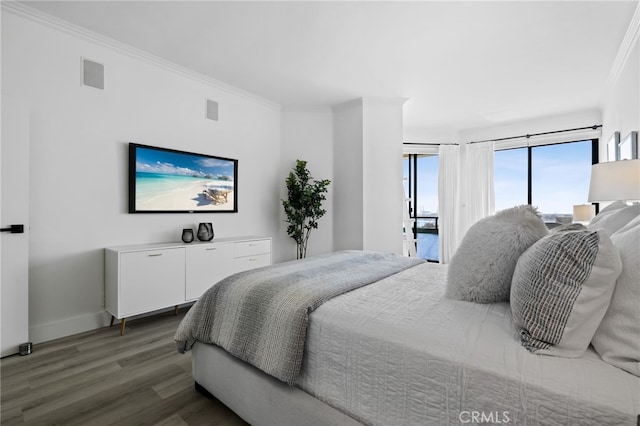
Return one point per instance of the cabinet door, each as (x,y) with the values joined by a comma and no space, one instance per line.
(206,265)
(151,280)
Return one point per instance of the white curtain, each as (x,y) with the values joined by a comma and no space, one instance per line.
(478,191)
(448,199)
(465,192)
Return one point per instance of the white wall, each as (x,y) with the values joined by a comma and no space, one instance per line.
(382,174)
(420,135)
(368,175)
(622,100)
(308,135)
(78,170)
(347,176)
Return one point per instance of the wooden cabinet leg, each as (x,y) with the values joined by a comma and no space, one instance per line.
(111,323)
(122,323)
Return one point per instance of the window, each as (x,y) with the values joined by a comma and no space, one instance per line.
(510,178)
(421,186)
(551,177)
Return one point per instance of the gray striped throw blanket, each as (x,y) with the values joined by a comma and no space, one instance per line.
(260,316)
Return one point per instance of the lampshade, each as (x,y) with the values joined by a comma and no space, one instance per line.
(583,212)
(615,180)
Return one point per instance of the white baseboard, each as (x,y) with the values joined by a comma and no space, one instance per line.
(68,326)
(54,330)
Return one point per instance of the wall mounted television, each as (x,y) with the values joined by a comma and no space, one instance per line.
(163,180)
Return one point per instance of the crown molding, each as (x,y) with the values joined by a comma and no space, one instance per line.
(344,106)
(28,12)
(393,101)
(360,102)
(626,47)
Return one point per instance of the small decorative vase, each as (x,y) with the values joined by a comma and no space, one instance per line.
(187,235)
(205,231)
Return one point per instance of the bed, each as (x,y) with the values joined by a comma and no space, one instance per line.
(396,351)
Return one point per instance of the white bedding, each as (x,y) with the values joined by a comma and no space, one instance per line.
(397,352)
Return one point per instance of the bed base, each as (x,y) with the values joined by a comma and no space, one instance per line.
(203,391)
(256,397)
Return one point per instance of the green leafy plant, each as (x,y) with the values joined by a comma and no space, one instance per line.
(303,205)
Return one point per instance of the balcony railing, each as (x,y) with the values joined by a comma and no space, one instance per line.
(427,224)
(426,228)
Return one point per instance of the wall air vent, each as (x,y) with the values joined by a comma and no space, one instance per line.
(212,110)
(92,74)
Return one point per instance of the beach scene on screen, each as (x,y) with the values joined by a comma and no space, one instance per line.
(178,181)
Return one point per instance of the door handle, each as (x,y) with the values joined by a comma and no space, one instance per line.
(14,229)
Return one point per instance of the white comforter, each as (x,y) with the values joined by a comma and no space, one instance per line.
(398,353)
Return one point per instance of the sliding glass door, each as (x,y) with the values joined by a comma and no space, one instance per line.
(421,186)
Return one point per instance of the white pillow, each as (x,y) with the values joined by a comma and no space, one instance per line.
(561,289)
(614,217)
(482,267)
(617,340)
(614,206)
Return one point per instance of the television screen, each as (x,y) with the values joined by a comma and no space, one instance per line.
(169,181)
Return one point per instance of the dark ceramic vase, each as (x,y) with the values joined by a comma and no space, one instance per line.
(205,231)
(187,235)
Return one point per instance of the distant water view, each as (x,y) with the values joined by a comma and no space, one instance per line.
(427,235)
(428,246)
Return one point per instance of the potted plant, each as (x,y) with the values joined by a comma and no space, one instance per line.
(303,205)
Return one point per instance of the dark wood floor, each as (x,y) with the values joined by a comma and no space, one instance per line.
(99,378)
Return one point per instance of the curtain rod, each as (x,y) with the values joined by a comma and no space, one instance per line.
(594,127)
(429,144)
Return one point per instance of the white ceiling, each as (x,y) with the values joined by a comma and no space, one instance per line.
(461,64)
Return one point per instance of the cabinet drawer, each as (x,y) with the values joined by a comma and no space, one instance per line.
(250,262)
(250,248)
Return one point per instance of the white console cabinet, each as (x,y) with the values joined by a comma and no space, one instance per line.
(146,278)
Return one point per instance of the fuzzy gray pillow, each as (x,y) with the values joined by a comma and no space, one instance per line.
(482,267)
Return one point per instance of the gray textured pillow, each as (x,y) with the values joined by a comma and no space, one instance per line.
(561,289)
(569,227)
(482,267)
(617,339)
